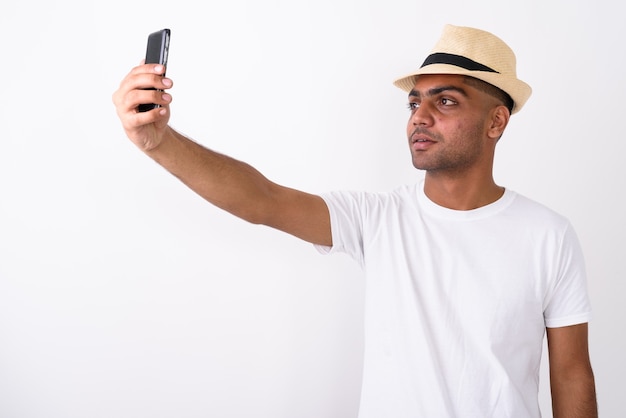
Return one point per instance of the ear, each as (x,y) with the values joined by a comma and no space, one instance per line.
(498,122)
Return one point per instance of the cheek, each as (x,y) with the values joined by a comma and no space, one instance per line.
(409,127)
(464,128)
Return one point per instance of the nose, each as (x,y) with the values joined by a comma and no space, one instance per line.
(422,115)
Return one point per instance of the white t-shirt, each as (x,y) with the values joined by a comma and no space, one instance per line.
(457,301)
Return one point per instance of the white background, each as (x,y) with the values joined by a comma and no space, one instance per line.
(123,294)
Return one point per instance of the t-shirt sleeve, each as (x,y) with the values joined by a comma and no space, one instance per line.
(568,301)
(346,224)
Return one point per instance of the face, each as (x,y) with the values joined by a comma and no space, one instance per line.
(448,129)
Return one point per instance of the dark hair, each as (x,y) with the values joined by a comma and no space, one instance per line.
(491,90)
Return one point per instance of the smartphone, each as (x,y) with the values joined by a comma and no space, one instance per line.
(156,53)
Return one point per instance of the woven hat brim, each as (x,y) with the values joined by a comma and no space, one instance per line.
(517,89)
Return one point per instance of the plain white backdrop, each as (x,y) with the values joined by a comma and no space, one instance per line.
(123,294)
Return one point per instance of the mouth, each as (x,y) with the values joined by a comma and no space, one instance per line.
(421,142)
(421,139)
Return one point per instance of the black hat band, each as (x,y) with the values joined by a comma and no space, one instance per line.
(456,60)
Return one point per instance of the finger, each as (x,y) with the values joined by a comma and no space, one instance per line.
(146,81)
(163,116)
(145,76)
(134,85)
(157,69)
(135,122)
(153,97)
(159,116)
(131,101)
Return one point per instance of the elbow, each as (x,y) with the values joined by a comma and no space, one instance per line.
(574,395)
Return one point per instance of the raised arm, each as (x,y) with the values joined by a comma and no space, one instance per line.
(571,377)
(227,183)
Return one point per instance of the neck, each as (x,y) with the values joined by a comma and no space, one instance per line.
(463,192)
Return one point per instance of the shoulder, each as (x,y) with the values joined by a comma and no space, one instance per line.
(540,223)
(372,201)
(533,212)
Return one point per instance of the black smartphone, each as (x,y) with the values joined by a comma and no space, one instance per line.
(156,53)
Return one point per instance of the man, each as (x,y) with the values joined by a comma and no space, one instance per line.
(464,277)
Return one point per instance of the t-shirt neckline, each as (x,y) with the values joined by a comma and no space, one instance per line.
(438,211)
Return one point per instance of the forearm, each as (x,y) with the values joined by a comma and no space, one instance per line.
(574,396)
(227,183)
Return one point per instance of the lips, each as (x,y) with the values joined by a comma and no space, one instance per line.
(421,142)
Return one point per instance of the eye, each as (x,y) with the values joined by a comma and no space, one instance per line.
(412,106)
(447,102)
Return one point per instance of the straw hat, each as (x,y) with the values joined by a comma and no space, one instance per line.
(476,53)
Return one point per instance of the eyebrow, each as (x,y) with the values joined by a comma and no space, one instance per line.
(437,90)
